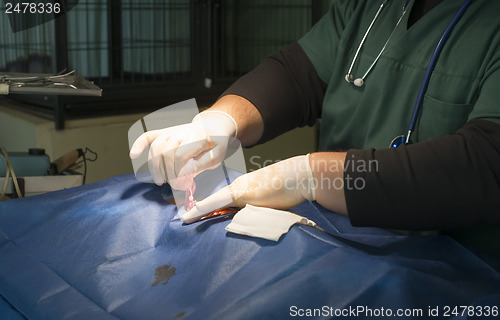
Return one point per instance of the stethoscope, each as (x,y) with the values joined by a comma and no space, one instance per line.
(359,82)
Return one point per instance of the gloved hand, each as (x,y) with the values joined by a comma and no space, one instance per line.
(281,185)
(177,154)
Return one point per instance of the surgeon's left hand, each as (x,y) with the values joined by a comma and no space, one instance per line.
(282,185)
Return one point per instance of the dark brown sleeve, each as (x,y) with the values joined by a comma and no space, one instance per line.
(445,183)
(286,90)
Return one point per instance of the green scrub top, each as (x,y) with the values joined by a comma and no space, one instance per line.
(465,84)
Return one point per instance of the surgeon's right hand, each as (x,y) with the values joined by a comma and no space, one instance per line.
(177,154)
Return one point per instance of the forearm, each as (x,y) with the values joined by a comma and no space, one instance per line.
(328,174)
(246,115)
(443,183)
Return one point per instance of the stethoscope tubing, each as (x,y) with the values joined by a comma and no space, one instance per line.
(431,66)
(364,38)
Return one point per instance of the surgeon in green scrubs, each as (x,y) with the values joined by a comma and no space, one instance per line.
(448,178)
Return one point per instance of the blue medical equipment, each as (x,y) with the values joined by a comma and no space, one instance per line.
(425,82)
(32,163)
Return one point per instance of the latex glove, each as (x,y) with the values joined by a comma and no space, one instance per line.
(177,154)
(280,186)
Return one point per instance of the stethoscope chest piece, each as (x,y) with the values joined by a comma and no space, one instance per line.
(399,141)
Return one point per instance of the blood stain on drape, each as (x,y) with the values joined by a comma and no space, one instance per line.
(163,274)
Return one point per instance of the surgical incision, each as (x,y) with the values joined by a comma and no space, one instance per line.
(190,202)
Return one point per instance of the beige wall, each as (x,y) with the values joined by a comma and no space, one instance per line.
(108,137)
